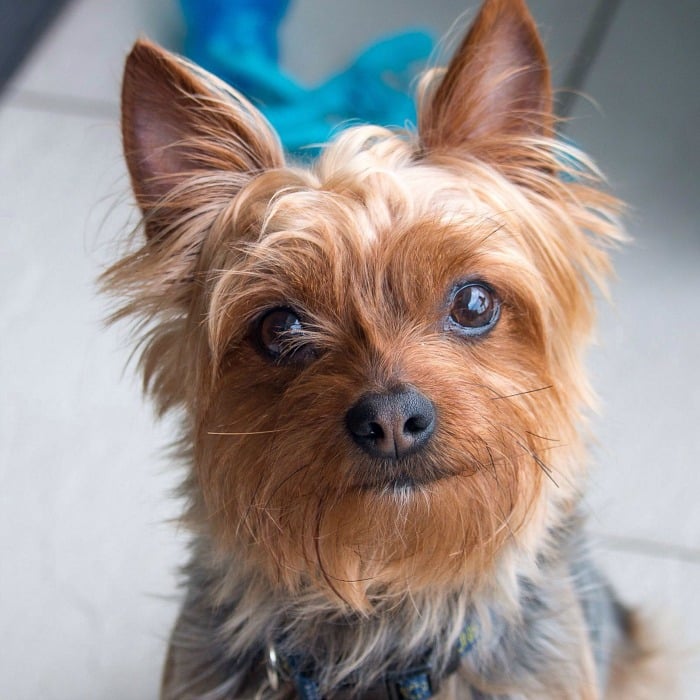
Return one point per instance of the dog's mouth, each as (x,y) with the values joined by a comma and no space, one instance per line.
(398,479)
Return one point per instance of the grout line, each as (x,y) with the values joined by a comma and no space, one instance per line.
(586,54)
(64,104)
(648,548)
(23,25)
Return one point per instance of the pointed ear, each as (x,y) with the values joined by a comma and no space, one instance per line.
(179,121)
(497,84)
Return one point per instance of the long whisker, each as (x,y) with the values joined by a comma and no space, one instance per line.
(542,437)
(546,469)
(522,393)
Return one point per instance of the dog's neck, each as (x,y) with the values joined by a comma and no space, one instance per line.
(231,619)
(249,619)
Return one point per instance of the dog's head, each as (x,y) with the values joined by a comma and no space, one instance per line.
(378,356)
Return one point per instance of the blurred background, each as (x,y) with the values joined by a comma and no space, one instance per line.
(88,559)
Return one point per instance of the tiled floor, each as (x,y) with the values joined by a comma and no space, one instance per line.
(87,572)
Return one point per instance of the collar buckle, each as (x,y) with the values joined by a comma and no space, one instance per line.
(272,668)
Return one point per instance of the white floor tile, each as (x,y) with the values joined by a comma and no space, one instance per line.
(665,591)
(646,480)
(646,368)
(82,54)
(86,554)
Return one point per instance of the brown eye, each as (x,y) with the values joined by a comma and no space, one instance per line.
(280,335)
(474,309)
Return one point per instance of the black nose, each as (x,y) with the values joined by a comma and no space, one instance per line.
(391,425)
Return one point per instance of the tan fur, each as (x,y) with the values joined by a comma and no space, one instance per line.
(645,668)
(366,246)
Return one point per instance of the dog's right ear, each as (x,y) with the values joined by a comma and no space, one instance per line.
(178,122)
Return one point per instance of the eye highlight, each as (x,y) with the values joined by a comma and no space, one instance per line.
(279,334)
(474,309)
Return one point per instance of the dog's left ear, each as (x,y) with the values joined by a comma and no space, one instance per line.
(497,85)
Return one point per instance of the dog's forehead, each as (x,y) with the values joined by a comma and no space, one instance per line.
(367,209)
(396,242)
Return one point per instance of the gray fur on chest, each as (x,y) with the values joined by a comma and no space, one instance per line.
(219,646)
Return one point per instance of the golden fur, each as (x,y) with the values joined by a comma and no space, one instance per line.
(366,245)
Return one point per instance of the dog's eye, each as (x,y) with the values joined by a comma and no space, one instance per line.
(280,334)
(474,309)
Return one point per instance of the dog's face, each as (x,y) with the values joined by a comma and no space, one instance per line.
(378,356)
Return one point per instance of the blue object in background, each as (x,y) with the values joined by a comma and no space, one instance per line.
(238,41)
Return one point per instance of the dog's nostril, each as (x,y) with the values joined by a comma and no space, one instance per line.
(391,425)
(366,429)
(416,424)
(376,431)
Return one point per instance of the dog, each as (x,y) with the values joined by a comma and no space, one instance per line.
(377,360)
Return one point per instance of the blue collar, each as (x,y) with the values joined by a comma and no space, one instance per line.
(419,682)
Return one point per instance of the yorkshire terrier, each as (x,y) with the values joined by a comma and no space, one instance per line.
(378,364)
